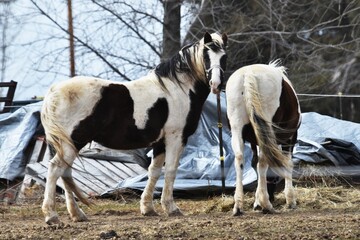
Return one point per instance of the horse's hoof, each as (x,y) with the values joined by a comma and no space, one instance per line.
(268,211)
(150,213)
(53,220)
(81,218)
(237,212)
(291,206)
(257,207)
(177,212)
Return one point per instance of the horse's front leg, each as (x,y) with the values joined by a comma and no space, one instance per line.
(146,202)
(174,148)
(261,195)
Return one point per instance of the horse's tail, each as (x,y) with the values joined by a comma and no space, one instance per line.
(69,181)
(263,128)
(56,138)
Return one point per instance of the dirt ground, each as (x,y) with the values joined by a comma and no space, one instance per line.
(322,213)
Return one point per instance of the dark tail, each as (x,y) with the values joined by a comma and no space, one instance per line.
(263,128)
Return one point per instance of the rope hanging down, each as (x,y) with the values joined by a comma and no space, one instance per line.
(221,143)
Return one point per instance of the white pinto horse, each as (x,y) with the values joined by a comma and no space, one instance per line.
(263,109)
(160,110)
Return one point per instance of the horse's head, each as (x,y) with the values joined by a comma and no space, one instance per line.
(214,54)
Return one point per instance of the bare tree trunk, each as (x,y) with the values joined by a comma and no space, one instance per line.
(171,28)
(4,44)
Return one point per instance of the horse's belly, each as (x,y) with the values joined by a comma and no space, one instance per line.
(118,122)
(130,138)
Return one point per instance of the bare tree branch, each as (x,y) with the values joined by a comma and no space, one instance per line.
(80,41)
(129,26)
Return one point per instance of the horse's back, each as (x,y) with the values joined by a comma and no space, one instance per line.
(278,98)
(266,76)
(73,98)
(74,89)
(268,79)
(118,115)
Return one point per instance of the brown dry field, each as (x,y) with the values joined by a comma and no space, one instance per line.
(323,213)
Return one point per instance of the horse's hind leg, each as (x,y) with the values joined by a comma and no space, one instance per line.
(289,191)
(76,214)
(272,181)
(261,195)
(238,149)
(48,207)
(146,203)
(56,169)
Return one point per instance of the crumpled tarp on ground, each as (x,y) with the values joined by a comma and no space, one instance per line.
(16,131)
(322,138)
(97,151)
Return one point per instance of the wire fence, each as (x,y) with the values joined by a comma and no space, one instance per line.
(339,95)
(342,106)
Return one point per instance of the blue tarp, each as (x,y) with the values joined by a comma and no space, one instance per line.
(318,131)
(16,131)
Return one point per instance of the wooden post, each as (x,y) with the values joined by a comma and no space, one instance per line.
(8,100)
(71,39)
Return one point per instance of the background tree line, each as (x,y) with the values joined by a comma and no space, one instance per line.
(318,41)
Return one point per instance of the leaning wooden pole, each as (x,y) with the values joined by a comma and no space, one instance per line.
(222,158)
(71,39)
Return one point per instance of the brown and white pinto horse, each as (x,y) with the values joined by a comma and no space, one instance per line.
(263,109)
(160,110)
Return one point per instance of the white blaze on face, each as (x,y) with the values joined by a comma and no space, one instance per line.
(215,69)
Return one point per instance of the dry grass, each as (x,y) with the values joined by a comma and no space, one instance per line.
(308,198)
(317,175)
(323,213)
(317,187)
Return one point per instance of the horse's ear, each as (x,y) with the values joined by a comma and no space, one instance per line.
(207,38)
(224,38)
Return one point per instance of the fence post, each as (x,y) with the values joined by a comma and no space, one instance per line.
(8,100)
(340,103)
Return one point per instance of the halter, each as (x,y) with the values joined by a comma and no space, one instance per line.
(211,68)
(215,66)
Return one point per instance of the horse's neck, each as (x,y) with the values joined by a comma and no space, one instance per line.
(193,82)
(199,91)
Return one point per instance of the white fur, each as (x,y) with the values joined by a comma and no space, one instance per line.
(215,80)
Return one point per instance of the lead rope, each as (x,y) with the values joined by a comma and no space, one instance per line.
(221,144)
